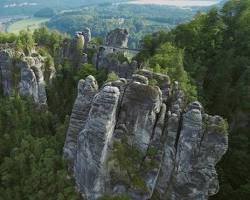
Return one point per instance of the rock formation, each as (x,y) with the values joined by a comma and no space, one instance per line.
(93,143)
(111,57)
(75,49)
(117,38)
(131,138)
(87,36)
(161,80)
(25,74)
(5,67)
(86,92)
(114,61)
(79,38)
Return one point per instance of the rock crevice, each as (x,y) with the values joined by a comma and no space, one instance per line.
(144,142)
(25,74)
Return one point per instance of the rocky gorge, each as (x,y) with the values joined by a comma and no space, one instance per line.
(128,137)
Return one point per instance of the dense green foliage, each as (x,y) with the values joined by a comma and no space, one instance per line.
(31,166)
(128,159)
(62,92)
(138,19)
(50,41)
(45,12)
(212,51)
(216,49)
(31,141)
(112,77)
(168,59)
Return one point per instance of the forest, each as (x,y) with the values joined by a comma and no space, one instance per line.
(209,56)
(216,49)
(105,17)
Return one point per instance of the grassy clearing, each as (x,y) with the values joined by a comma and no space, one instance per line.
(30,23)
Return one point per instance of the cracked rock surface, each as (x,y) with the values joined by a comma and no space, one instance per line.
(143,141)
(25,74)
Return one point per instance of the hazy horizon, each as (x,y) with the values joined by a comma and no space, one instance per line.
(177,2)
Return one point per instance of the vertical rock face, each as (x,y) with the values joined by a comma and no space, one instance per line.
(185,185)
(79,37)
(87,89)
(26,74)
(5,69)
(139,144)
(117,38)
(93,142)
(139,108)
(87,35)
(84,58)
(32,79)
(200,146)
(65,50)
(171,134)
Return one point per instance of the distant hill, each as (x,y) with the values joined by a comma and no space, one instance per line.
(137,19)
(29,7)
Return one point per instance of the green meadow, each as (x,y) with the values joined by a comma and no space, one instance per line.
(29,23)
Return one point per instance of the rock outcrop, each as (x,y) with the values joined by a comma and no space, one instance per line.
(87,36)
(5,69)
(25,74)
(113,55)
(93,143)
(73,49)
(162,80)
(114,61)
(143,141)
(80,39)
(87,89)
(117,38)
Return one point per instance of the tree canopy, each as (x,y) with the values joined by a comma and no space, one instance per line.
(216,49)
